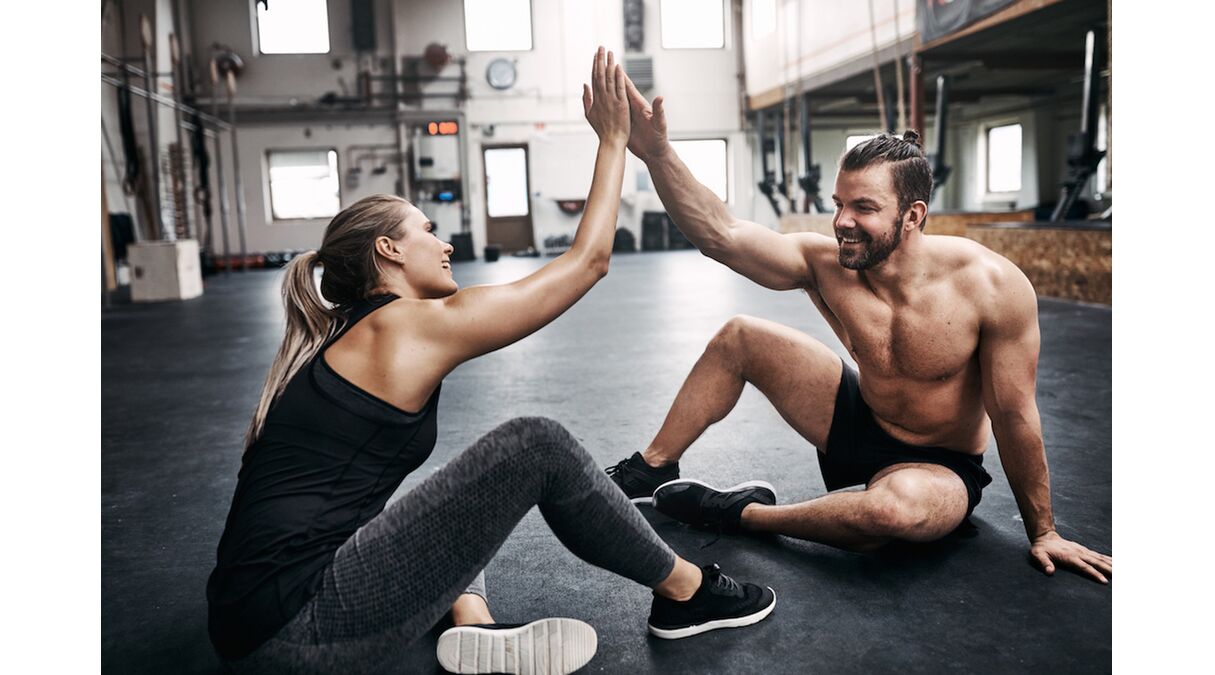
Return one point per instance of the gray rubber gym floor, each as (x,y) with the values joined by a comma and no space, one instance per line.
(179,381)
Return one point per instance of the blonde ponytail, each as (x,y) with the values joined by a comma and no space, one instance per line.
(351,273)
(310,323)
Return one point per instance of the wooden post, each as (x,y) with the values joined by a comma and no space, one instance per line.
(107,241)
(917,94)
(1109,97)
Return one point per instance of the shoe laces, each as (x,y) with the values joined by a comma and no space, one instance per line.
(622,467)
(723,584)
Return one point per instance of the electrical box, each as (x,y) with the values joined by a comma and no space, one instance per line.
(436,157)
(164,270)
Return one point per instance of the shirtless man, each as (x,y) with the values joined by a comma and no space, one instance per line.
(944,333)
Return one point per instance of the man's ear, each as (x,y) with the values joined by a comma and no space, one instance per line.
(916,214)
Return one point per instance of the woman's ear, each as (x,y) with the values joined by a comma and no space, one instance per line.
(389,248)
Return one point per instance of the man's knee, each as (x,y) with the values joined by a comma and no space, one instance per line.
(890,517)
(731,338)
(911,507)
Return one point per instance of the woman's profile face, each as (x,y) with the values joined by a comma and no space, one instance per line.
(427,259)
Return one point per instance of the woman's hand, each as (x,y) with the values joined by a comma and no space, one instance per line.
(605,100)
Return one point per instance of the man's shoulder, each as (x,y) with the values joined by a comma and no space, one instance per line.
(980,272)
(970,259)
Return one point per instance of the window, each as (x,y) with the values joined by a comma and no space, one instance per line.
(303,184)
(295,27)
(693,24)
(706,159)
(1101,180)
(506,192)
(1004,158)
(853,141)
(498,25)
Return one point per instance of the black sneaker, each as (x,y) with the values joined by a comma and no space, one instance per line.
(720,602)
(701,505)
(544,646)
(638,479)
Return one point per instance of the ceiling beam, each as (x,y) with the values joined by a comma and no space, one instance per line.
(1009,13)
(1013,59)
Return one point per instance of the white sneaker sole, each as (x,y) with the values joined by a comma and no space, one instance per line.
(740,486)
(649,501)
(543,647)
(697,629)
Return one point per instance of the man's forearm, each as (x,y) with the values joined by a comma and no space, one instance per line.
(1023,456)
(696,210)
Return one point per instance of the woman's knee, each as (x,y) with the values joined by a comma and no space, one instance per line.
(542,438)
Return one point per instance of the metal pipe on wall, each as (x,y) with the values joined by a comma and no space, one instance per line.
(940,172)
(160,99)
(145,35)
(397,122)
(179,172)
(236,179)
(1093,64)
(736,8)
(219,166)
(898,70)
(462,143)
(917,93)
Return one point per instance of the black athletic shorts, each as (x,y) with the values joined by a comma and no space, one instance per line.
(857,448)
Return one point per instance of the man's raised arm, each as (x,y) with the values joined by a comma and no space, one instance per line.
(1008,356)
(771,259)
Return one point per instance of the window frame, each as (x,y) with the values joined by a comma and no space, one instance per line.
(857,134)
(724,31)
(527,178)
(729,167)
(531,31)
(257,35)
(985,161)
(1101,187)
(274,218)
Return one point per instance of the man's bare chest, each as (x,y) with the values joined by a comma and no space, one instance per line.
(931,339)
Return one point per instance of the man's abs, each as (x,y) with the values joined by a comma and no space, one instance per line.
(947,414)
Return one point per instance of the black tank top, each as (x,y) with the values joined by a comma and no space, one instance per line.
(329,457)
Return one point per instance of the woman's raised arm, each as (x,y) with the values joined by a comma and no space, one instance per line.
(481,319)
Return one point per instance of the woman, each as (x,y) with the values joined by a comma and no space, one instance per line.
(313,573)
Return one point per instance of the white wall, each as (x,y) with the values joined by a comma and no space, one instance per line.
(811,37)
(543,109)
(279,78)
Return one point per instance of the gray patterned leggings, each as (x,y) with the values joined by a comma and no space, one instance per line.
(398,574)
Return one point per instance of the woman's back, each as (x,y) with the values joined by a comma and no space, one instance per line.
(329,457)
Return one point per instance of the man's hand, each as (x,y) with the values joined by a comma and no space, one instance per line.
(1050,548)
(605,101)
(648,136)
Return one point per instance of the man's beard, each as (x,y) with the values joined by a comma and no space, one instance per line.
(873,251)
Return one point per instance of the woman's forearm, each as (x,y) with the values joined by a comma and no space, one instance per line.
(597,229)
